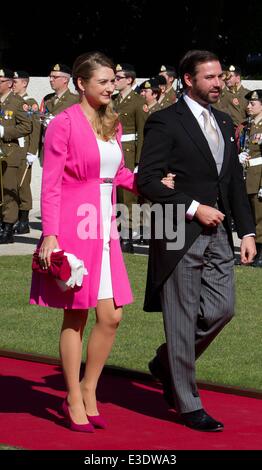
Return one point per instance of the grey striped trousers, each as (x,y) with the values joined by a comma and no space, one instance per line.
(197,301)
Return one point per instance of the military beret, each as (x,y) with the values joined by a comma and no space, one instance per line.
(168,69)
(7,73)
(235,69)
(21,74)
(255,95)
(226,73)
(123,67)
(161,80)
(149,84)
(61,68)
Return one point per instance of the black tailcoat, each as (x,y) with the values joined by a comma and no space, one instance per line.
(174,142)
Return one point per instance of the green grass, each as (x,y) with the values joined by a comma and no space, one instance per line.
(234,358)
(8,447)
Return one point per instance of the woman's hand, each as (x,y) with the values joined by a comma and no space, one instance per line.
(49,244)
(168,180)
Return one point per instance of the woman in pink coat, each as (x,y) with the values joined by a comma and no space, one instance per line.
(83,165)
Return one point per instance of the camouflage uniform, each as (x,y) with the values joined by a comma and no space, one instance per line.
(222,102)
(169,98)
(17,126)
(32,145)
(169,72)
(131,116)
(254,173)
(51,106)
(236,104)
(54,103)
(250,138)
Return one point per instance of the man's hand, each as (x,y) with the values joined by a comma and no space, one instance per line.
(247,250)
(209,216)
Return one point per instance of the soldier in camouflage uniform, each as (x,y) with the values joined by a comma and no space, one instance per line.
(169,97)
(151,92)
(20,83)
(54,103)
(234,99)
(15,125)
(222,102)
(162,86)
(250,139)
(129,106)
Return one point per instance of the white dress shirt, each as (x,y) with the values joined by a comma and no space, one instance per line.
(197,111)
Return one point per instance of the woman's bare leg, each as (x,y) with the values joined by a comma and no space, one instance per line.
(71,355)
(99,346)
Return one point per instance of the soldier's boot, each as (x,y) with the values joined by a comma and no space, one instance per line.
(126,241)
(16,225)
(257,263)
(6,235)
(22,225)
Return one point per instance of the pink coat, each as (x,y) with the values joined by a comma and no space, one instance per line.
(71,182)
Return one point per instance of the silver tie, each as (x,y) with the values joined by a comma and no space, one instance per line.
(210,130)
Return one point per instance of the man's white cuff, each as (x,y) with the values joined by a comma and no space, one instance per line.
(192,210)
(249,235)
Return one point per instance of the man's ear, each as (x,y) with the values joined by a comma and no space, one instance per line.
(188,79)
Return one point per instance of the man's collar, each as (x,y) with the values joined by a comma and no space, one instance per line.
(194,106)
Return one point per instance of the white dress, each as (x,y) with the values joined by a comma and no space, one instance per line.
(110,158)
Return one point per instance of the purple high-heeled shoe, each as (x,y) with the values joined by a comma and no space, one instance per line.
(74,426)
(97,421)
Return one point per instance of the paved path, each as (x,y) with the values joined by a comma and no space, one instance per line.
(25,244)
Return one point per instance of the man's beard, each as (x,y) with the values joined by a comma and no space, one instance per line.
(206,97)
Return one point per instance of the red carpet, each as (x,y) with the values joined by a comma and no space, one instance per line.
(31,397)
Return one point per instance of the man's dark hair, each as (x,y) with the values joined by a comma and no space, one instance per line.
(192,59)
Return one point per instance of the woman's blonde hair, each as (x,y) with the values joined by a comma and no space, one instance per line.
(106,121)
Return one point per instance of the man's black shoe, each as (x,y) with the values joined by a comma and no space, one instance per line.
(158,373)
(21,228)
(127,246)
(201,421)
(6,235)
